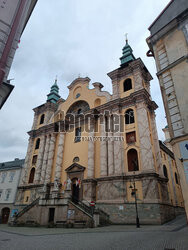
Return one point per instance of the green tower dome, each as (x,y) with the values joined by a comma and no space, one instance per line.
(127,54)
(53,96)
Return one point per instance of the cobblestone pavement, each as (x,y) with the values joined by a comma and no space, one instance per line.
(172,235)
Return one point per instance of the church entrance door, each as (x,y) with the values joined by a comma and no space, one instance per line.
(75,190)
(5,215)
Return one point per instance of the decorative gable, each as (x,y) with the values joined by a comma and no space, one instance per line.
(75,167)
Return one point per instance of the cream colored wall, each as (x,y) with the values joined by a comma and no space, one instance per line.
(173,167)
(74,149)
(180,75)
(86,94)
(175,45)
(80,149)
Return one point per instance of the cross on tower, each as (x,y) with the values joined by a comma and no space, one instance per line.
(126,37)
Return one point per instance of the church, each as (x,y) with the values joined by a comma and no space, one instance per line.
(96,157)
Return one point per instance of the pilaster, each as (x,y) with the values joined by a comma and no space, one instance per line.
(27,162)
(59,160)
(103,148)
(145,139)
(50,159)
(40,160)
(91,152)
(45,159)
(110,147)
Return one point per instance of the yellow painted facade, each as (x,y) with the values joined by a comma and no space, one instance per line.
(98,146)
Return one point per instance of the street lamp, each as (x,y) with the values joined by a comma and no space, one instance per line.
(134,193)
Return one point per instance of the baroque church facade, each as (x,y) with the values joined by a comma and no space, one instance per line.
(96,147)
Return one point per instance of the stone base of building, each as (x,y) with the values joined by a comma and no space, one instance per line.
(54,211)
(67,214)
(148,213)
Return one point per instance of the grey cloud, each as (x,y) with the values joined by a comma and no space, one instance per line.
(68,38)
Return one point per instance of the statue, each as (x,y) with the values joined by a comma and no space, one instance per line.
(56,184)
(69,184)
(44,188)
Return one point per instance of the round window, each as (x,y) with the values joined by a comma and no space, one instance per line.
(76,159)
(78,95)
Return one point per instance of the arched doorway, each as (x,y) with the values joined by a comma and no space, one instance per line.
(75,190)
(76,173)
(5,215)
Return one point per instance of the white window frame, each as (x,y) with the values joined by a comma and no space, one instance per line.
(1,194)
(8,192)
(3,177)
(11,176)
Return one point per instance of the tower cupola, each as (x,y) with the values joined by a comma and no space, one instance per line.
(127,54)
(53,96)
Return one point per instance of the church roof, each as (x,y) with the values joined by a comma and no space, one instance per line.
(10,165)
(170,12)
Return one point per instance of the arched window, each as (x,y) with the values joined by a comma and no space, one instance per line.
(78,132)
(42,118)
(132,158)
(34,160)
(37,143)
(32,175)
(129,116)
(176,178)
(165,172)
(127,85)
(79,111)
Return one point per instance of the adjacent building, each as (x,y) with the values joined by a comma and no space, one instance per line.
(168,44)
(14,16)
(171,173)
(9,179)
(98,148)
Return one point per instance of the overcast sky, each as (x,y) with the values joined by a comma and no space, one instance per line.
(69,38)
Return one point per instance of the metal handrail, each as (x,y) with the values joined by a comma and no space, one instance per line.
(25,209)
(82,205)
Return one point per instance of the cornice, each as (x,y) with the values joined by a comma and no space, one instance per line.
(31,186)
(48,106)
(47,129)
(130,68)
(112,106)
(127,177)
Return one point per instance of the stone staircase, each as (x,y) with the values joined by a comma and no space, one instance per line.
(74,213)
(91,211)
(27,208)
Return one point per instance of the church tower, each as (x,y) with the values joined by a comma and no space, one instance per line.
(38,141)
